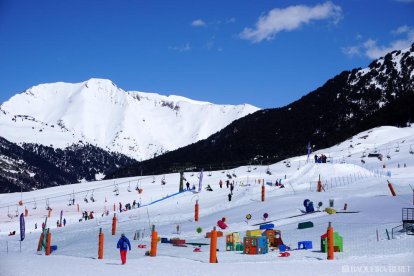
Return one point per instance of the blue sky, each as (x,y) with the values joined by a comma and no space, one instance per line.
(264,52)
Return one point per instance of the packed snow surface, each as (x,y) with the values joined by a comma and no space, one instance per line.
(361,185)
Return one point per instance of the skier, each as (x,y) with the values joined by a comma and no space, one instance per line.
(221,184)
(120,207)
(64,222)
(57,223)
(36,225)
(231,188)
(123,245)
(188,185)
(43,225)
(229,195)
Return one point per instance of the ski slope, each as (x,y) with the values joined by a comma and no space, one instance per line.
(363,186)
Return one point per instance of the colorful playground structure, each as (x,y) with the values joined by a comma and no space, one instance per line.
(338,242)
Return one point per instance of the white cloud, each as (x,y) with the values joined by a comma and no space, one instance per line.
(183,48)
(198,23)
(371,49)
(231,20)
(352,51)
(289,19)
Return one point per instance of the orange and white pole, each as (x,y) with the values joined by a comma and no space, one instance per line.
(196,211)
(154,240)
(49,213)
(330,240)
(101,244)
(213,246)
(114,225)
(48,241)
(26,212)
(78,207)
(391,188)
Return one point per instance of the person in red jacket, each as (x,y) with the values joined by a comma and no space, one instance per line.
(222,223)
(123,245)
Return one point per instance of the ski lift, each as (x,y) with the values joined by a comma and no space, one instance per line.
(129,187)
(234,173)
(192,174)
(249,169)
(411,150)
(364,154)
(92,198)
(349,153)
(163,182)
(228,175)
(209,173)
(116,190)
(397,148)
(34,205)
(70,200)
(86,197)
(153,179)
(268,171)
(8,213)
(388,154)
(137,186)
(17,211)
(47,204)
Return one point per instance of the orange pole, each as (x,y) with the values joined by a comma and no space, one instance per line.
(114,225)
(263,192)
(330,240)
(154,240)
(114,207)
(48,240)
(39,245)
(26,212)
(213,246)
(101,244)
(49,213)
(319,188)
(391,188)
(196,211)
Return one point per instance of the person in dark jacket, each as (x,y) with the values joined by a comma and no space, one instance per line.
(123,245)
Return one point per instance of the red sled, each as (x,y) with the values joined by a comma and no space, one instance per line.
(284,254)
(197,249)
(142,246)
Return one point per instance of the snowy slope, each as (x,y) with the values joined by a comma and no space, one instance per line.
(137,124)
(363,186)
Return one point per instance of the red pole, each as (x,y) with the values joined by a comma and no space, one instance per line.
(154,240)
(213,246)
(101,244)
(330,240)
(48,240)
(391,188)
(114,225)
(39,245)
(263,192)
(196,211)
(319,188)
(114,207)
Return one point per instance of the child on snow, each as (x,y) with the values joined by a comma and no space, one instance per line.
(123,245)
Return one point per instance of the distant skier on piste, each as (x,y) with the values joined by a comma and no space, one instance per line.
(123,245)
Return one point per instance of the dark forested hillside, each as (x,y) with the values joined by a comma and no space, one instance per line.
(353,101)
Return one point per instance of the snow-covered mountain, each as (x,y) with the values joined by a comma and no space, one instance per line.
(97,112)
